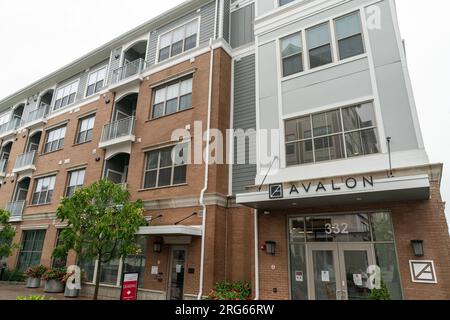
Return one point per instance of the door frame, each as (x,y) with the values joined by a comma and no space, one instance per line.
(170,265)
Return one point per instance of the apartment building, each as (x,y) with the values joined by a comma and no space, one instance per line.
(331,185)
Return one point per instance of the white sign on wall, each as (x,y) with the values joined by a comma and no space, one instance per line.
(423,271)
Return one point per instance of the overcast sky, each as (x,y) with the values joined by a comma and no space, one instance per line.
(38,37)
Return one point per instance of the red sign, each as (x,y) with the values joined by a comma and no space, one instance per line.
(129,287)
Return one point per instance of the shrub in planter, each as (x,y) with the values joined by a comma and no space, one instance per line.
(380,294)
(54,280)
(34,275)
(231,291)
(12,275)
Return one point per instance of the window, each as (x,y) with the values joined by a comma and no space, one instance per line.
(292,54)
(162,171)
(96,81)
(136,262)
(319,45)
(66,95)
(59,262)
(4,118)
(177,41)
(31,249)
(55,139)
(172,98)
(337,134)
(284,2)
(85,129)
(75,181)
(43,191)
(348,35)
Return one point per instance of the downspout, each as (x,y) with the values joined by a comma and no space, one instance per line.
(256,255)
(205,188)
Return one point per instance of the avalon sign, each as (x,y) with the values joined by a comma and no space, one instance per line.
(276,190)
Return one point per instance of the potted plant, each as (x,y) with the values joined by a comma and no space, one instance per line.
(54,280)
(34,275)
(380,294)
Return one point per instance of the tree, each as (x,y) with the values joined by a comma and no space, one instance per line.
(7,234)
(102,224)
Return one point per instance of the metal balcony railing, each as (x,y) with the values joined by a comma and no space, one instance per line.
(25,160)
(16,209)
(128,70)
(13,124)
(118,129)
(3,164)
(35,115)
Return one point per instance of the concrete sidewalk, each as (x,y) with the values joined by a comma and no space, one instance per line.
(10,291)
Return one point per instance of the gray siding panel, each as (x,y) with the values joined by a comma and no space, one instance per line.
(114,63)
(207,20)
(244,117)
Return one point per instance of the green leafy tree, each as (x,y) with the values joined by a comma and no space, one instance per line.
(102,224)
(7,234)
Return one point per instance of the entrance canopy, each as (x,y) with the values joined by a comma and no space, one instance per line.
(171,231)
(343,191)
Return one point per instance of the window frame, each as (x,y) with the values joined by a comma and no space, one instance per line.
(96,71)
(60,141)
(361,33)
(170,32)
(91,130)
(62,88)
(48,199)
(69,178)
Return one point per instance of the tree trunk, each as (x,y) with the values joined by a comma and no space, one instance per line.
(97,278)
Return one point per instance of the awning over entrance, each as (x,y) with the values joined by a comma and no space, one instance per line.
(171,231)
(350,191)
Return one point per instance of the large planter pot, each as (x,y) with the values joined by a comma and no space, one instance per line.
(54,286)
(33,283)
(74,293)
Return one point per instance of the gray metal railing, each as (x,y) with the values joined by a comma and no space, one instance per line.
(13,124)
(3,164)
(128,70)
(118,129)
(35,115)
(16,209)
(25,160)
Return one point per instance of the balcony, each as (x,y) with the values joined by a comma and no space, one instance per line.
(16,210)
(118,133)
(8,129)
(130,70)
(3,164)
(25,163)
(35,118)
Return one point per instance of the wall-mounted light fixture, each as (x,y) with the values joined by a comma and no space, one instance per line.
(417,246)
(157,245)
(270,247)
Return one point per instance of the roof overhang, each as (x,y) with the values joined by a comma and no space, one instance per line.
(171,231)
(382,191)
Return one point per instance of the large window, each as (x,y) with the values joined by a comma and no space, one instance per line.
(96,81)
(319,45)
(31,249)
(55,139)
(348,35)
(75,181)
(337,134)
(59,262)
(177,41)
(85,129)
(163,170)
(43,190)
(66,95)
(171,98)
(292,54)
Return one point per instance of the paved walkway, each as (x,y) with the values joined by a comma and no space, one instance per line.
(10,291)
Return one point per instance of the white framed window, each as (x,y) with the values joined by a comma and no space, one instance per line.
(166,167)
(85,129)
(173,97)
(43,190)
(292,54)
(75,181)
(336,134)
(319,45)
(55,139)
(96,81)
(349,35)
(178,40)
(66,95)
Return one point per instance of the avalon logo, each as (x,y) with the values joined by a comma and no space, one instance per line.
(276,191)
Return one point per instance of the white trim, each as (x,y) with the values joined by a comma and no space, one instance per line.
(34,227)
(231,140)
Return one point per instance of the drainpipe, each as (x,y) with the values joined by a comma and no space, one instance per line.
(205,188)
(256,255)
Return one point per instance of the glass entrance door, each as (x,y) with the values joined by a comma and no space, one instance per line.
(339,271)
(177,268)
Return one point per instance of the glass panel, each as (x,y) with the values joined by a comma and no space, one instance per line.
(299,284)
(348,26)
(327,123)
(329,148)
(165,177)
(297,230)
(171,106)
(291,131)
(359,117)
(177,275)
(339,228)
(150,179)
(136,263)
(166,158)
(109,272)
(370,141)
(324,275)
(386,259)
(152,162)
(190,42)
(292,65)
(192,28)
(351,47)
(292,154)
(320,56)
(291,45)
(353,144)
(185,102)
(318,36)
(382,228)
(356,264)
(88,266)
